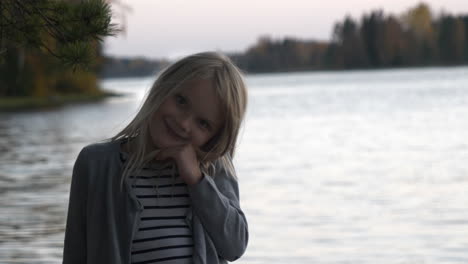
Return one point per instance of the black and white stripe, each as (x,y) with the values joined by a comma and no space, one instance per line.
(163,235)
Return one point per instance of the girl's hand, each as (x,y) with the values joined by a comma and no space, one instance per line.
(186,160)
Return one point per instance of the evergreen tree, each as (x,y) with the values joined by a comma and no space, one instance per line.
(451,39)
(372,31)
(349,39)
(465,24)
(39,37)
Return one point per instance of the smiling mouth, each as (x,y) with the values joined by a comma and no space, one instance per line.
(172,132)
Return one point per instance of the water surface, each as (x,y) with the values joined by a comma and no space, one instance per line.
(334,167)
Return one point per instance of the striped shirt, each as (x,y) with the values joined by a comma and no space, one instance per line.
(162,236)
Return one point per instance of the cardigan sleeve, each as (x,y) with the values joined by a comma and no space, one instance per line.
(216,203)
(74,250)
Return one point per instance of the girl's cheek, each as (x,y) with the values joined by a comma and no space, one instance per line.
(199,139)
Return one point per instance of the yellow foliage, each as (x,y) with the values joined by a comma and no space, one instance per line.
(419,20)
(40,82)
(79,82)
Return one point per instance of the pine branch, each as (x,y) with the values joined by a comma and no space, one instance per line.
(72,27)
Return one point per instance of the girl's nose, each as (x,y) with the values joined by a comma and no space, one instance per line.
(184,124)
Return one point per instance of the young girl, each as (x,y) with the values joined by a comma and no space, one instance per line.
(163,190)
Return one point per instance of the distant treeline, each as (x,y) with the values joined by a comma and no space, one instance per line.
(377,40)
(130,67)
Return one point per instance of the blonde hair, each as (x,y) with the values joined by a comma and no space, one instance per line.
(231,90)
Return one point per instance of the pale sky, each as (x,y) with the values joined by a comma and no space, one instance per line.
(174,28)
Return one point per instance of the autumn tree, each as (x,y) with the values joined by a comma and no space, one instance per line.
(418,22)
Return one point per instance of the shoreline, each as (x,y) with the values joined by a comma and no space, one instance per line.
(25,103)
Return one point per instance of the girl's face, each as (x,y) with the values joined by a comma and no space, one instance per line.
(192,115)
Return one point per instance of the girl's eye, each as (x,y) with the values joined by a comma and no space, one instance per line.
(204,124)
(180,99)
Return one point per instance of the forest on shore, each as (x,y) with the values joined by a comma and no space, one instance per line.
(376,40)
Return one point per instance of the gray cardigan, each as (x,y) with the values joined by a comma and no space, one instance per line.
(102,218)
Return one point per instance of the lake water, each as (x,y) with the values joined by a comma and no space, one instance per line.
(334,167)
